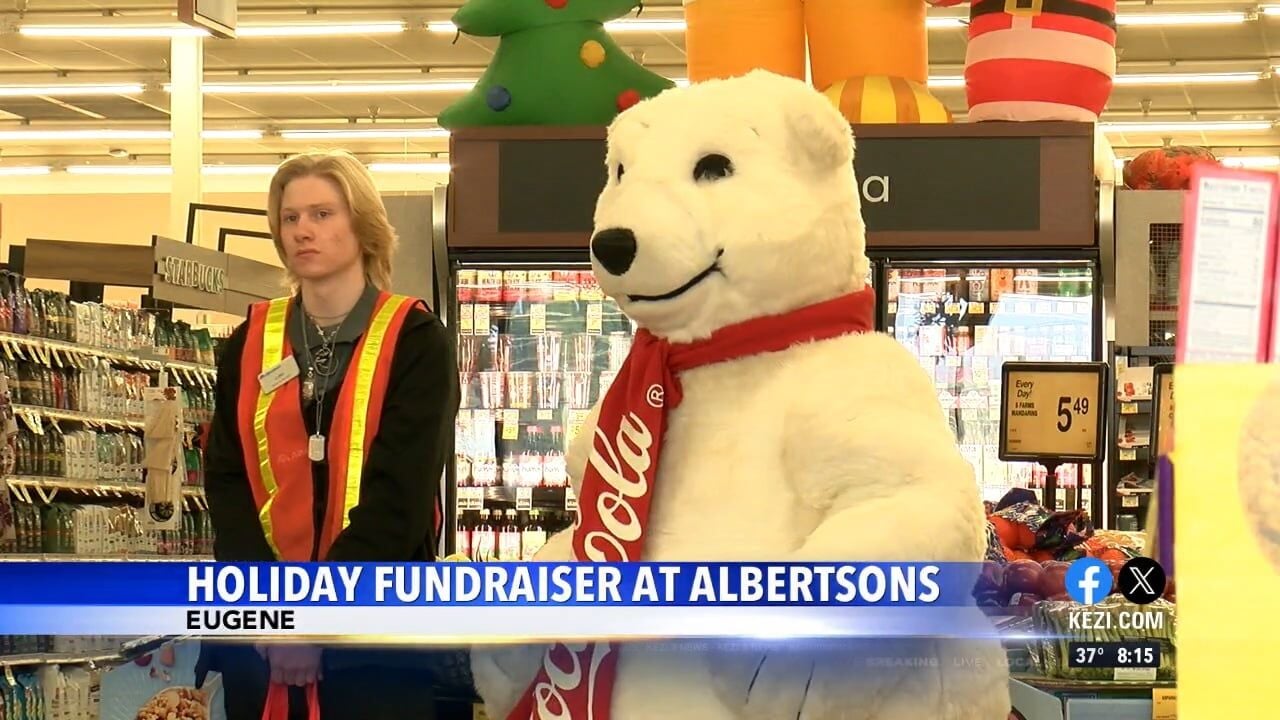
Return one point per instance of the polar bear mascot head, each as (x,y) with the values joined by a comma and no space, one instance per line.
(726,201)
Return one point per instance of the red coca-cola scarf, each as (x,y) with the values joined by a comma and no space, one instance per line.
(576,680)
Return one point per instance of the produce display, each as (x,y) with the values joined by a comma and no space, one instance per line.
(1053,625)
(1037,547)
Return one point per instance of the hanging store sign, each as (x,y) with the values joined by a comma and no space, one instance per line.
(192,274)
(956,185)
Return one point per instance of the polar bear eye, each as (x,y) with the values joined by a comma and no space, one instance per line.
(618,172)
(712,167)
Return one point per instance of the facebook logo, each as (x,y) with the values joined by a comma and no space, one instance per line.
(1088,581)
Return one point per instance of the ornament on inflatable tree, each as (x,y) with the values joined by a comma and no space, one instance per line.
(869,57)
(555,65)
(1049,61)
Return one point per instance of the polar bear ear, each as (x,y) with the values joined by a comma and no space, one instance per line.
(819,134)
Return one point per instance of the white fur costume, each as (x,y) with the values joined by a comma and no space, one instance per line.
(830,451)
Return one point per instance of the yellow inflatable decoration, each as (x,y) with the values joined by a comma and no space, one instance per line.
(857,48)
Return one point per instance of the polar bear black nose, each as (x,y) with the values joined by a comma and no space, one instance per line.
(615,248)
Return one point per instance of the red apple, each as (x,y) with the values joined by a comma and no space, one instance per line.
(1054,580)
(1022,576)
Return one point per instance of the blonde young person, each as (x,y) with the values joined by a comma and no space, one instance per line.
(334,408)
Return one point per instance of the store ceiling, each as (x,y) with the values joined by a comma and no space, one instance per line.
(1243,40)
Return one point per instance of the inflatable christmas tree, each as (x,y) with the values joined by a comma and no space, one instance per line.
(555,65)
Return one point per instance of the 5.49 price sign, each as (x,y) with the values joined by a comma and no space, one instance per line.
(1052,411)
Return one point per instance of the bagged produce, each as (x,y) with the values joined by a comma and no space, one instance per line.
(1028,531)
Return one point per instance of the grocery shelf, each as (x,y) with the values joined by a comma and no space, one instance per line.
(77,416)
(57,659)
(90,486)
(151,361)
(476,498)
(1067,685)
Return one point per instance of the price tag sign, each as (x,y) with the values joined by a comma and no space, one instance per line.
(545,414)
(1162,410)
(1128,454)
(928,308)
(953,308)
(1052,411)
(524,499)
(1164,704)
(570,499)
(537,319)
(893,308)
(1129,408)
(977,308)
(466,319)
(510,424)
(595,318)
(481,326)
(1129,501)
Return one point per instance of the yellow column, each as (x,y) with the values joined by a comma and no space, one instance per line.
(186,122)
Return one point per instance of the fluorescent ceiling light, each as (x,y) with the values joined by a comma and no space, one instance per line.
(957,81)
(619,26)
(69,90)
(427,167)
(108,134)
(319,30)
(1185,127)
(1186,78)
(25,170)
(333,88)
(1252,162)
(365,134)
(110,31)
(120,170)
(1160,19)
(104,31)
(240,169)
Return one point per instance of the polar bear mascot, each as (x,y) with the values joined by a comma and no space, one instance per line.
(758,417)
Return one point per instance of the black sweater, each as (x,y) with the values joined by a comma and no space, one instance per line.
(395,517)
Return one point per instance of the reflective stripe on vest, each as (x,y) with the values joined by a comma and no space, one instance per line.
(280,473)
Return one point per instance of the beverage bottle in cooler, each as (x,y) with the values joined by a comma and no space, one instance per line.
(509,539)
(531,457)
(532,537)
(484,539)
(510,463)
(462,536)
(555,473)
(515,305)
(564,315)
(6,301)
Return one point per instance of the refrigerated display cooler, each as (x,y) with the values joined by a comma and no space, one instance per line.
(964,318)
(538,344)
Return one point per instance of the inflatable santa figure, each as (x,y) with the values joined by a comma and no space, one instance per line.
(1039,59)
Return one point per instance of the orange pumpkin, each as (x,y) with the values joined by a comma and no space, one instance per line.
(1167,168)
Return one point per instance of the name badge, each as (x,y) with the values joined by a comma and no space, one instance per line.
(272,379)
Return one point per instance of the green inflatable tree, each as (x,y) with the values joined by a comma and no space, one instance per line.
(555,65)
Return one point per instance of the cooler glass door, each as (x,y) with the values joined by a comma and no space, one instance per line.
(538,345)
(962,321)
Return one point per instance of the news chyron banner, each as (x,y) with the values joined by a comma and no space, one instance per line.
(1227,515)
(453,603)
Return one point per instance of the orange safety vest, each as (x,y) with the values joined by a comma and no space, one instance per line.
(274,437)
